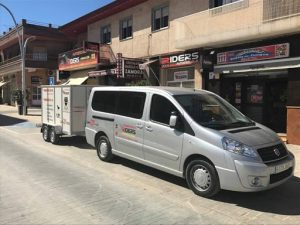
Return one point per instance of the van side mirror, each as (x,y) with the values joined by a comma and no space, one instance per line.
(173,119)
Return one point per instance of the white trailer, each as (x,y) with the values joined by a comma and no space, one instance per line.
(64,110)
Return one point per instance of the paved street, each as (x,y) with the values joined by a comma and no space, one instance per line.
(66,184)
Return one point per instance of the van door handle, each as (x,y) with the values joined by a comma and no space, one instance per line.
(140,126)
(149,128)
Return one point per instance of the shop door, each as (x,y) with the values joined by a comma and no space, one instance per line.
(36,96)
(275,107)
(253,100)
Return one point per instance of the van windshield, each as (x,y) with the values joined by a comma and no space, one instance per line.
(212,111)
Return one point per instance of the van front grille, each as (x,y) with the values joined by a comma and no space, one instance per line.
(280,176)
(272,153)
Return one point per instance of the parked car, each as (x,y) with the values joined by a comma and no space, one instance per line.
(189,133)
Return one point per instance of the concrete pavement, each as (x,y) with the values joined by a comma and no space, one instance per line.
(67,184)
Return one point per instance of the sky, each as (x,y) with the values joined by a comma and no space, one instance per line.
(43,12)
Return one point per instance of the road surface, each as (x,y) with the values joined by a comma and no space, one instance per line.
(41,183)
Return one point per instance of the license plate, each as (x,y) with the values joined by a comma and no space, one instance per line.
(283,167)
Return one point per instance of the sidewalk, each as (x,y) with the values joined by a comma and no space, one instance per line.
(34,116)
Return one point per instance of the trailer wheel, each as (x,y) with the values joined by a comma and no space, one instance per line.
(45,132)
(104,149)
(202,178)
(54,138)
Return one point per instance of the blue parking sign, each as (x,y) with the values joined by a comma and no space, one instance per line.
(51,80)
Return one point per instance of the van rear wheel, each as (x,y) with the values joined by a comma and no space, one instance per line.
(104,149)
(202,178)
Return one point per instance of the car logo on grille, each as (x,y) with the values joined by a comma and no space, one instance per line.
(277,152)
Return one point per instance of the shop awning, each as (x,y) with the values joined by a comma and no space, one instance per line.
(102,73)
(77,78)
(144,65)
(277,64)
(2,83)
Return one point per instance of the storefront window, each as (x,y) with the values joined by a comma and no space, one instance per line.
(183,77)
(255,94)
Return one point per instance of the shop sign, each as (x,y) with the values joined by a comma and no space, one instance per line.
(102,73)
(254,54)
(214,76)
(51,80)
(184,59)
(181,75)
(77,59)
(131,68)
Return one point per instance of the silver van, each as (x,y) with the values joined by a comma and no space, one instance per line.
(189,133)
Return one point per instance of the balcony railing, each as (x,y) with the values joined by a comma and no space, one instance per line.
(11,60)
(36,57)
(106,54)
(278,9)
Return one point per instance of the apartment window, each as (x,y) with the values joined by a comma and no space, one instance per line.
(106,35)
(160,18)
(217,3)
(39,54)
(126,28)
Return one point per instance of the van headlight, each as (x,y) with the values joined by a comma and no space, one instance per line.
(238,148)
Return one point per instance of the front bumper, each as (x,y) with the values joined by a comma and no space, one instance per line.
(255,176)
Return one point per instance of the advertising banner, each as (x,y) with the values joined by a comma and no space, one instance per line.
(254,54)
(77,59)
(181,75)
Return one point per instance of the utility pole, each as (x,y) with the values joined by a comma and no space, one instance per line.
(22,46)
(24,73)
(21,53)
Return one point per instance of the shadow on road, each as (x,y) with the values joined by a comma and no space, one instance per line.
(150,171)
(10,121)
(75,141)
(282,200)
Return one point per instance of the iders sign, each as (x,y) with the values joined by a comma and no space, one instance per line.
(254,54)
(184,59)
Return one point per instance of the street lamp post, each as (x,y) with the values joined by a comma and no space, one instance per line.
(23,74)
(21,45)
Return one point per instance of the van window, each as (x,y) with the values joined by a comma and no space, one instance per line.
(161,109)
(131,104)
(104,101)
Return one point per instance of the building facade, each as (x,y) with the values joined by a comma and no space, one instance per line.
(44,44)
(245,50)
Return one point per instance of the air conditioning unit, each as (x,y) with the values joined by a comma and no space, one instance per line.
(51,73)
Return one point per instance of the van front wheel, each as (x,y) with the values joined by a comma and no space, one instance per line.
(104,149)
(202,178)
